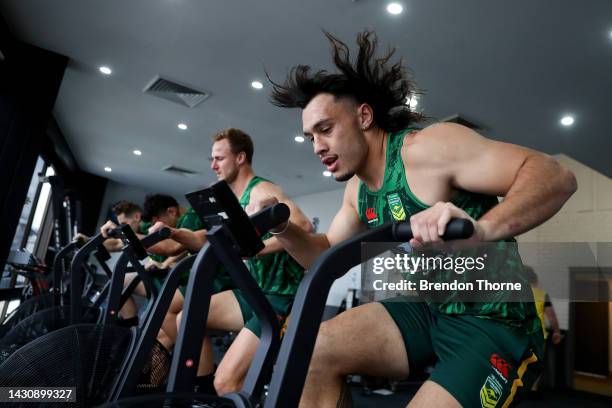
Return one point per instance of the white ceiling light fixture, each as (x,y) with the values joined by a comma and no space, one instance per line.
(105,70)
(137,152)
(412,101)
(567,120)
(108,169)
(182,126)
(257,85)
(327,173)
(299,139)
(395,8)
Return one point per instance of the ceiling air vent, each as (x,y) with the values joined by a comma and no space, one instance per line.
(456,118)
(174,92)
(179,170)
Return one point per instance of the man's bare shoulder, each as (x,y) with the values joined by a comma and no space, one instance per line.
(267,188)
(351,191)
(432,134)
(265,185)
(437,142)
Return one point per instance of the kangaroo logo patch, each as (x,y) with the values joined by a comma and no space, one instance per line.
(396,207)
(490,393)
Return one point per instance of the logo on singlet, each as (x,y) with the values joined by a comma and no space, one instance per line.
(371,215)
(396,207)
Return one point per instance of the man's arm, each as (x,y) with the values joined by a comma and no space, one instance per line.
(304,246)
(172,260)
(193,241)
(296,216)
(169,262)
(113,244)
(535,186)
(551,316)
(167,247)
(185,239)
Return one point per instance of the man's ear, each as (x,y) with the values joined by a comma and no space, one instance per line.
(241,157)
(366,116)
(173,211)
(138,217)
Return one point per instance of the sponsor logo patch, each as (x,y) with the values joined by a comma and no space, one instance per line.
(396,207)
(500,365)
(371,215)
(490,393)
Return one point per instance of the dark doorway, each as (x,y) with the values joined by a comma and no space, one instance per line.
(590,321)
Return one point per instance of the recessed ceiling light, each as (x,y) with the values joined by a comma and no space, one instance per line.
(256,84)
(327,173)
(567,120)
(299,139)
(137,152)
(182,126)
(395,8)
(105,70)
(412,100)
(108,169)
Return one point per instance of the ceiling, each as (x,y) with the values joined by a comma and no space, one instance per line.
(514,67)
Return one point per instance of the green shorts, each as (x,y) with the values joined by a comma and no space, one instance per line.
(158,283)
(183,280)
(280,303)
(158,280)
(480,362)
(221,282)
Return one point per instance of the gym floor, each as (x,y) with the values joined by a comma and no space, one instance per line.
(593,385)
(549,398)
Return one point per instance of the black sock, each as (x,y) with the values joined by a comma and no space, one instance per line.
(205,384)
(129,322)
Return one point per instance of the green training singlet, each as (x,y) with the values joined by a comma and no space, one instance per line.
(188,220)
(277,273)
(395,202)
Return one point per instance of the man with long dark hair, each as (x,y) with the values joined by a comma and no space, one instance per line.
(364,133)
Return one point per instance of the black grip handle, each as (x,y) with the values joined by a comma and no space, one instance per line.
(456,229)
(270,217)
(129,238)
(114,233)
(127,235)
